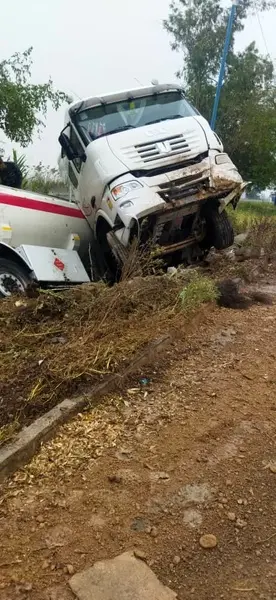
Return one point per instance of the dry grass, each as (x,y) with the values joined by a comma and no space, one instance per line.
(62,343)
(262,235)
(141,261)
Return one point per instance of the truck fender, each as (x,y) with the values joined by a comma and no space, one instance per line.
(124,234)
(101,215)
(12,254)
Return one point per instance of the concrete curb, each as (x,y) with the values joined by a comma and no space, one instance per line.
(18,453)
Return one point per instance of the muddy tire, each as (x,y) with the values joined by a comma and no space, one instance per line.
(220,233)
(14,279)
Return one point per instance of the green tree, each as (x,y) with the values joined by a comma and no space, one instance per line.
(23,104)
(247,116)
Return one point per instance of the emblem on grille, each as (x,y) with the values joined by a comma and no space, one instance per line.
(163,147)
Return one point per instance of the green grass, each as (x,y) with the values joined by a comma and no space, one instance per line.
(263,209)
(198,291)
(249,213)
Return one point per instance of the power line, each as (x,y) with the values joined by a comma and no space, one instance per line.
(263,35)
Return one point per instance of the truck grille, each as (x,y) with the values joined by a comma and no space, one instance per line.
(152,150)
(187,186)
(160,151)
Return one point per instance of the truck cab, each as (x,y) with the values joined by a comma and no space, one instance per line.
(144,163)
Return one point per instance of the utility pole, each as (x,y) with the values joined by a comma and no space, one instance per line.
(231,19)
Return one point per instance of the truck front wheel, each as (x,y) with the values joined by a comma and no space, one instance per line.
(13,278)
(219,230)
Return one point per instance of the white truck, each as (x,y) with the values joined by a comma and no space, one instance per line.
(142,163)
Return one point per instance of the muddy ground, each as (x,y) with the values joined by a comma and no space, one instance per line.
(189,454)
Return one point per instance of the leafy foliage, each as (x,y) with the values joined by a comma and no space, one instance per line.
(247,115)
(21,162)
(23,104)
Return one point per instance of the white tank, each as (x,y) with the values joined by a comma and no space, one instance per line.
(29,218)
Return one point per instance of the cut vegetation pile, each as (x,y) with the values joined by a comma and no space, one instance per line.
(60,344)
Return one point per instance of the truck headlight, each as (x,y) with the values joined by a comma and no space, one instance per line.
(119,191)
(222,158)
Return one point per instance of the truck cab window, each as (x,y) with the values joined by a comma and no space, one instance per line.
(100,120)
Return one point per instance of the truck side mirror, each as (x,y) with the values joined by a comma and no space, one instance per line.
(67,146)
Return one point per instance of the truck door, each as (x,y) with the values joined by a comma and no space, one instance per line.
(75,166)
(80,174)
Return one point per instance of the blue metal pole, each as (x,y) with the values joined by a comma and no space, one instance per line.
(223,62)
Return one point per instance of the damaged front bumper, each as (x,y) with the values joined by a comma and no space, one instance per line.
(214,177)
(203,181)
(177,194)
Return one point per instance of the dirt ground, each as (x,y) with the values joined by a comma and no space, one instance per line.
(191,453)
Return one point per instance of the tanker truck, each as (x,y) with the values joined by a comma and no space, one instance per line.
(42,239)
(141,164)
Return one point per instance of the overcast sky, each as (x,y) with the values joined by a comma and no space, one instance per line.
(94,46)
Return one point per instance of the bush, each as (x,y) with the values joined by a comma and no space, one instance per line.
(262,235)
(45,180)
(40,179)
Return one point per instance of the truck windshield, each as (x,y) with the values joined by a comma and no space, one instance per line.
(107,119)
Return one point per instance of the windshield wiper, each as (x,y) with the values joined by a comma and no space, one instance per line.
(122,128)
(166,119)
